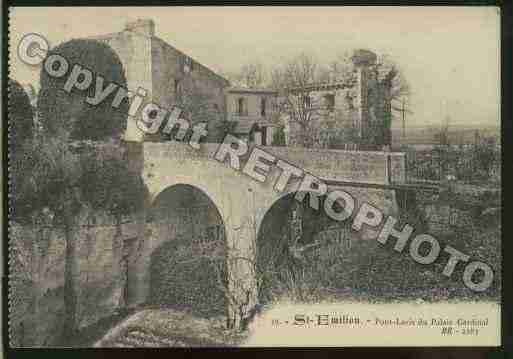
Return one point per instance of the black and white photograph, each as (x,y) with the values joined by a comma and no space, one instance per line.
(254,176)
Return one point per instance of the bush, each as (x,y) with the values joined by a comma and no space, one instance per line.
(367,270)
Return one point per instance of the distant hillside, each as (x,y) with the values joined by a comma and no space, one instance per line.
(428,135)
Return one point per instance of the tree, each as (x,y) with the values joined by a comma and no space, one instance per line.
(21,116)
(250,75)
(59,189)
(399,92)
(108,182)
(67,179)
(400,87)
(296,102)
(21,132)
(70,178)
(52,184)
(22,205)
(486,155)
(341,69)
(69,112)
(300,104)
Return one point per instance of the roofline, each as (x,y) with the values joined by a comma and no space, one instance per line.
(249,90)
(219,77)
(321,86)
(103,37)
(114,34)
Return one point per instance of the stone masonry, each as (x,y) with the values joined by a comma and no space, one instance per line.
(355,110)
(162,70)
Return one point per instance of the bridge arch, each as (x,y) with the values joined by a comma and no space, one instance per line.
(291,235)
(187,267)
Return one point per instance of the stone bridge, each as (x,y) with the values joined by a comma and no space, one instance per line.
(190,192)
(240,203)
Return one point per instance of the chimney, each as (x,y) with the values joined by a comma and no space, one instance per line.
(144,27)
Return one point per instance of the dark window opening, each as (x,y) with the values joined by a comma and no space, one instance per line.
(177,86)
(308,101)
(330,101)
(263,132)
(241,110)
(263,104)
(187,65)
(350,102)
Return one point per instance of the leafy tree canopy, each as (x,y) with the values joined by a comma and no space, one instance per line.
(42,175)
(108,183)
(55,175)
(63,111)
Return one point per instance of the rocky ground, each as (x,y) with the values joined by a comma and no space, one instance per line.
(169,328)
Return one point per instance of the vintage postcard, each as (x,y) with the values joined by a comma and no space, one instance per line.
(254,176)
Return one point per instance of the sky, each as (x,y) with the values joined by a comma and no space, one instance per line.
(450,56)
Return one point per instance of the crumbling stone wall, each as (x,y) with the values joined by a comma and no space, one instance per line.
(362,108)
(37,317)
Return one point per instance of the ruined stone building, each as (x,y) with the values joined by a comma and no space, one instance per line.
(353,112)
(349,113)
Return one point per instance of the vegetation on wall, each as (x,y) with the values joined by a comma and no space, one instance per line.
(62,177)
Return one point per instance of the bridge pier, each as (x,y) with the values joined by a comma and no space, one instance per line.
(241,285)
(242,290)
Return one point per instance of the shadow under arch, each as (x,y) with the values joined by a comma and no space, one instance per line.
(188,263)
(291,237)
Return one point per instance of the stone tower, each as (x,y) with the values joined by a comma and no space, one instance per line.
(372,100)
